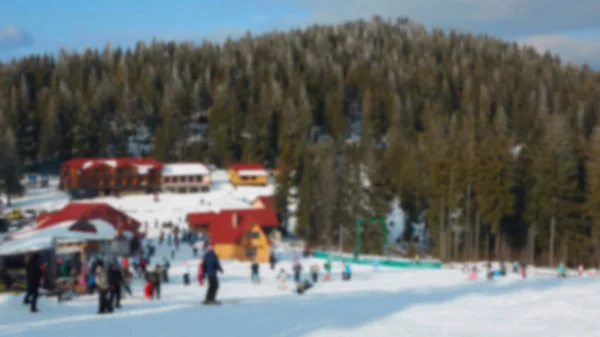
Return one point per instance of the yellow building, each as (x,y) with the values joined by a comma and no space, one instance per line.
(251,174)
(238,234)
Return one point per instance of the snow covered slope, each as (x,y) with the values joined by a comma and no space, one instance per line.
(383,303)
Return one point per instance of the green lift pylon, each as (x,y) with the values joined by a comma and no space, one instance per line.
(360,222)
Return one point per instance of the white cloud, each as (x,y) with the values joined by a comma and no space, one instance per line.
(569,48)
(12,36)
(499,17)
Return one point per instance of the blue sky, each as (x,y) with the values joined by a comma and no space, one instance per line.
(569,28)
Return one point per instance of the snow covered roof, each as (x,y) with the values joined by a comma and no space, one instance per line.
(34,240)
(184,169)
(143,165)
(250,169)
(252,173)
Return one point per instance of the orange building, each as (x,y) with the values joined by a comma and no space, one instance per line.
(241,234)
(104,176)
(251,174)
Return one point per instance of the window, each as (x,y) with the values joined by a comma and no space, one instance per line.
(175,180)
(244,178)
(253,235)
(199,179)
(167,180)
(183,179)
(251,252)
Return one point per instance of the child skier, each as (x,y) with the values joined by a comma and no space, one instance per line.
(523,271)
(314,272)
(561,270)
(347,274)
(254,272)
(327,270)
(282,276)
(473,274)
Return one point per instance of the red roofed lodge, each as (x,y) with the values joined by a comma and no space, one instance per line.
(106,176)
(241,234)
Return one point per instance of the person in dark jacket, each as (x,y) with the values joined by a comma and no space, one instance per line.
(254,269)
(115,280)
(272,260)
(210,266)
(33,277)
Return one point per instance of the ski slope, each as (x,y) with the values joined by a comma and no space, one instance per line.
(387,302)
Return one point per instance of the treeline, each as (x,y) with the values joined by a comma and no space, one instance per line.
(494,146)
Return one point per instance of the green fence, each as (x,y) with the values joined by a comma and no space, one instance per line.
(429,264)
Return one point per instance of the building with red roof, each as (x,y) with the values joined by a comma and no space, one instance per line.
(101,176)
(250,174)
(78,227)
(241,234)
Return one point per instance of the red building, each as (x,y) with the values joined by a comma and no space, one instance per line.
(237,234)
(104,176)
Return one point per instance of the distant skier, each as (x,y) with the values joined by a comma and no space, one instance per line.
(327,270)
(34,275)
(282,276)
(211,266)
(523,271)
(303,286)
(347,273)
(165,270)
(314,273)
(561,270)
(254,270)
(516,267)
(272,260)
(297,268)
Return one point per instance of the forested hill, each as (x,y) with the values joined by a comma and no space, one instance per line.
(433,118)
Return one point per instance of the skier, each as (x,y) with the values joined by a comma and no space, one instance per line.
(561,270)
(303,286)
(297,268)
(34,275)
(115,279)
(523,271)
(254,268)
(473,274)
(314,272)
(580,270)
(327,270)
(282,276)
(155,276)
(516,267)
(347,274)
(210,266)
(165,271)
(102,286)
(272,260)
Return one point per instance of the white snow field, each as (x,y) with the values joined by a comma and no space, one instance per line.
(387,302)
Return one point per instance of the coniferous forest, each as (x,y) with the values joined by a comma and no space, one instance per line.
(494,146)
